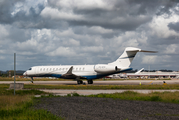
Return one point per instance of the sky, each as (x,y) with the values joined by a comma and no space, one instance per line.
(77,32)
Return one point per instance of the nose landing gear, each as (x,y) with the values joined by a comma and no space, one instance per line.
(32,80)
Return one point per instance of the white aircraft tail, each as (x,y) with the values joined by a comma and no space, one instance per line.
(126,58)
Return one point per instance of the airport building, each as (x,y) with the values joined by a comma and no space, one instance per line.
(145,75)
(157,74)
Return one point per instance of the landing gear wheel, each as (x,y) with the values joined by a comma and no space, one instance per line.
(79,82)
(90,81)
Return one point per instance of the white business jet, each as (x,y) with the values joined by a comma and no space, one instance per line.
(89,72)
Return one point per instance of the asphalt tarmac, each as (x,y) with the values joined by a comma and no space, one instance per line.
(88,92)
(116,82)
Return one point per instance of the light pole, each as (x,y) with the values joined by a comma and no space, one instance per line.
(14,73)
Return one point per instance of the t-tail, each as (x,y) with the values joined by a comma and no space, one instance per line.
(126,58)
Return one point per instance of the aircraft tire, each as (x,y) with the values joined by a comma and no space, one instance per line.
(78,82)
(90,81)
(81,82)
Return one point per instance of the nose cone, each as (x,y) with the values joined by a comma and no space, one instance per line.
(25,73)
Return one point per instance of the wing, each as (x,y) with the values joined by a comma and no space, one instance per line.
(70,75)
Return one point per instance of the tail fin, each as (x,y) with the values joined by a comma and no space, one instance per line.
(126,58)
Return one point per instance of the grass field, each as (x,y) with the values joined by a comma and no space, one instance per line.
(18,107)
(103,87)
(168,97)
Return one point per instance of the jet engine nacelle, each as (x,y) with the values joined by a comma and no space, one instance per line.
(103,68)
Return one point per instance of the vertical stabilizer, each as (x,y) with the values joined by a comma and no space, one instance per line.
(126,58)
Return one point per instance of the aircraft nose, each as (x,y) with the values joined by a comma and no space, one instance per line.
(25,73)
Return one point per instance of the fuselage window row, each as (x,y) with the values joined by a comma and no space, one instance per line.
(60,69)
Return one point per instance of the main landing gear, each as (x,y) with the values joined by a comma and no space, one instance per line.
(90,81)
(81,82)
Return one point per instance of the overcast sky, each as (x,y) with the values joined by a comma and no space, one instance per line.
(66,32)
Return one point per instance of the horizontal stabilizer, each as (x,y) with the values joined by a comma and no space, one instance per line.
(148,51)
(132,49)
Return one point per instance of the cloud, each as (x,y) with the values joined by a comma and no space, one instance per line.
(55,14)
(149,59)
(62,51)
(171,49)
(46,32)
(174,26)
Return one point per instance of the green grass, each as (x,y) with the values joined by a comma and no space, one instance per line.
(22,110)
(19,106)
(168,97)
(103,87)
(4,91)
(27,114)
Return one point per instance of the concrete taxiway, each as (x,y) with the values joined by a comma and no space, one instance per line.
(116,82)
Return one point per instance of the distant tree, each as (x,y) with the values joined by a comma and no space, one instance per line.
(164,70)
(4,75)
(132,71)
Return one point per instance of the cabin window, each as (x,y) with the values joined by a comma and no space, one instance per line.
(59,68)
(80,69)
(76,68)
(63,68)
(44,69)
(47,69)
(50,69)
(66,68)
(83,68)
(30,68)
(40,69)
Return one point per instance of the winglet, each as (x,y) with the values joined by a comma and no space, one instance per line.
(139,71)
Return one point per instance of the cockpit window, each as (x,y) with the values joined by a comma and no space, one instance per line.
(30,68)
